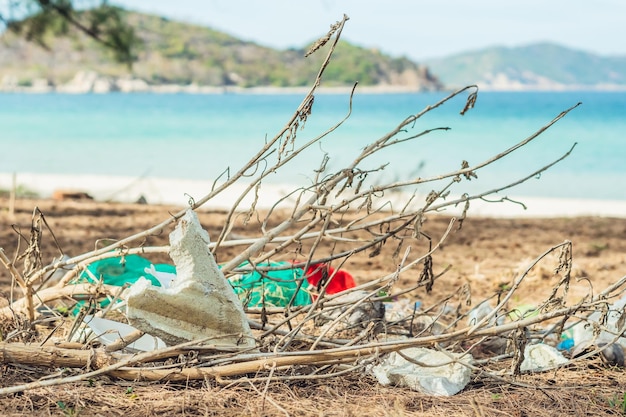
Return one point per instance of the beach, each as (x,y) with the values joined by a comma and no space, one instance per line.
(178,192)
(484,256)
(490,247)
(152,157)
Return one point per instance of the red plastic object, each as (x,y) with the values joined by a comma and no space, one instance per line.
(317,274)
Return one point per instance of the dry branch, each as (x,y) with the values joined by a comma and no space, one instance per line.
(317,216)
(249,363)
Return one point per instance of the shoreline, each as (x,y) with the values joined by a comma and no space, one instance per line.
(179,192)
(270,90)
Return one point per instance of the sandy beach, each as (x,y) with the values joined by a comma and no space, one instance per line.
(485,255)
(178,192)
(487,251)
(496,240)
(456,302)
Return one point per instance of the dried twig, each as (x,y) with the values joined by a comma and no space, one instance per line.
(316,220)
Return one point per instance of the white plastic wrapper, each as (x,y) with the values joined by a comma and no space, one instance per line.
(442,376)
(108,331)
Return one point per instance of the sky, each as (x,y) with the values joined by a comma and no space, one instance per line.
(418,29)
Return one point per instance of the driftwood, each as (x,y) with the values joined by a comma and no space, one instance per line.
(315,216)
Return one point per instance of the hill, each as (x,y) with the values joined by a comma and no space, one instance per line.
(175,53)
(537,66)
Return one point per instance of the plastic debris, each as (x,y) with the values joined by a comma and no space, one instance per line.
(200,302)
(541,357)
(612,355)
(440,375)
(408,314)
(340,280)
(271,288)
(275,288)
(109,331)
(565,344)
(588,333)
(164,275)
(481,311)
(123,270)
(55,276)
(360,316)
(401,309)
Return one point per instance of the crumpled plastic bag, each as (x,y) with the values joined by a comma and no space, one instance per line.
(480,312)
(108,331)
(272,288)
(123,270)
(365,313)
(585,334)
(442,376)
(541,357)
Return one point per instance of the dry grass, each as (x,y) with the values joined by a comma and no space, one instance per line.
(588,390)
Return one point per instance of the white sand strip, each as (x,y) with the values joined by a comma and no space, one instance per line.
(180,191)
(153,190)
(540,207)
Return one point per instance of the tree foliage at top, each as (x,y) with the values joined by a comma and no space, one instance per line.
(163,51)
(37,20)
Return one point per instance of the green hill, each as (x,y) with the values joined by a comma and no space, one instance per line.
(172,52)
(542,65)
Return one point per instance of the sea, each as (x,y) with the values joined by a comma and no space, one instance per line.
(203,137)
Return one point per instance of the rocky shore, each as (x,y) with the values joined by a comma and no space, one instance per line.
(92,82)
(85,82)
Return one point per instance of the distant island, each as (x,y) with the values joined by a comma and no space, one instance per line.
(540,66)
(179,57)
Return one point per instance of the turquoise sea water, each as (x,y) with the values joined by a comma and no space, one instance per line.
(199,136)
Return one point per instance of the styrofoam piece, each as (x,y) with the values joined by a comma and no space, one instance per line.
(199,304)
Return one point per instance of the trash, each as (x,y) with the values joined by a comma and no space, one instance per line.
(164,274)
(56,275)
(271,288)
(109,331)
(442,374)
(126,269)
(612,355)
(541,357)
(276,288)
(565,344)
(494,344)
(123,270)
(255,289)
(340,280)
(401,309)
(200,302)
(407,314)
(481,311)
(587,333)
(366,312)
